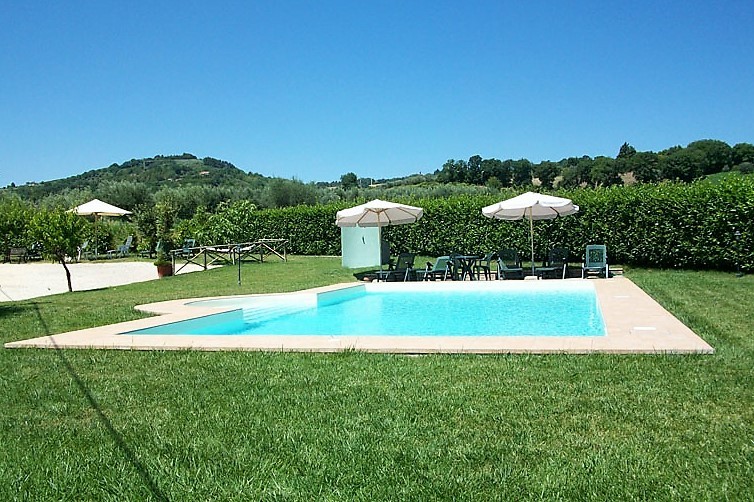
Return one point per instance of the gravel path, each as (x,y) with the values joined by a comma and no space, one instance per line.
(31,280)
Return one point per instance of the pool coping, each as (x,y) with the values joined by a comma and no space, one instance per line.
(635,324)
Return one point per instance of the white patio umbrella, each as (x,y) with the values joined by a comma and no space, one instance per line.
(97,208)
(378,213)
(531,206)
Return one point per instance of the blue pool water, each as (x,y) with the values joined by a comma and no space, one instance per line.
(490,311)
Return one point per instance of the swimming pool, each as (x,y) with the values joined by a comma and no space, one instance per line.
(484,309)
(634,324)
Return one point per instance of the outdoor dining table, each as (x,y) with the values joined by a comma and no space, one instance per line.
(466,263)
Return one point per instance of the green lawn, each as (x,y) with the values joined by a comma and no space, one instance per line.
(119,425)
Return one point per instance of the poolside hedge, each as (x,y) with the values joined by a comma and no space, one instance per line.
(672,225)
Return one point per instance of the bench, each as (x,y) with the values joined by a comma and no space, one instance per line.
(19,254)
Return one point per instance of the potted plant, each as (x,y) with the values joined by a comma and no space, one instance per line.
(164,216)
(164,264)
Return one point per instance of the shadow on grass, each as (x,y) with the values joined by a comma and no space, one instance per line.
(18,307)
(114,434)
(7,310)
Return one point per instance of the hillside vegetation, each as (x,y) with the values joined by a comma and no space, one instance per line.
(155,173)
(191,182)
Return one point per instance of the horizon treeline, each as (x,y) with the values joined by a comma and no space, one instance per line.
(698,159)
(189,183)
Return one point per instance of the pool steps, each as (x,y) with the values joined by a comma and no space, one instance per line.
(258,314)
(264,311)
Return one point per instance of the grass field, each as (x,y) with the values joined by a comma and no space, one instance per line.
(120,425)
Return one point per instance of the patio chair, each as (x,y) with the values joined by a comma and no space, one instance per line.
(509,264)
(442,270)
(148,253)
(556,266)
(122,250)
(455,267)
(403,270)
(35,252)
(186,250)
(82,250)
(484,266)
(595,261)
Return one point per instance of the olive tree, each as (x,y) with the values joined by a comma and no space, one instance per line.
(14,219)
(348,181)
(60,234)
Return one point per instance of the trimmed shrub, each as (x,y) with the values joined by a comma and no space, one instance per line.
(669,225)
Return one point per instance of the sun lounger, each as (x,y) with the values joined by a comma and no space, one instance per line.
(441,270)
(402,270)
(557,265)
(509,264)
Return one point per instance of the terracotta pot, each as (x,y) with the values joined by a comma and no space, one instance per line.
(165,270)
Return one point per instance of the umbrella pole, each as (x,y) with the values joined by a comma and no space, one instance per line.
(531,238)
(379,242)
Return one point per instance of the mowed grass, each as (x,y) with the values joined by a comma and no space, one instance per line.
(121,425)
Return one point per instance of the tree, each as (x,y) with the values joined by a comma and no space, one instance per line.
(474,171)
(145,219)
(546,171)
(715,155)
(626,151)
(521,172)
(494,168)
(285,193)
(164,213)
(14,219)
(125,194)
(569,177)
(742,152)
(493,183)
(623,160)
(580,174)
(645,166)
(60,234)
(604,172)
(745,167)
(233,222)
(365,182)
(682,164)
(348,181)
(453,171)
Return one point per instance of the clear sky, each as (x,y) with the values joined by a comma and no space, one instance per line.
(315,89)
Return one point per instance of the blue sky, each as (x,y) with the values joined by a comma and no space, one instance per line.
(313,90)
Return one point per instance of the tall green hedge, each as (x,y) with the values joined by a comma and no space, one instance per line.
(668,225)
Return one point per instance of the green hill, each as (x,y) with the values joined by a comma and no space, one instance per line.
(156,172)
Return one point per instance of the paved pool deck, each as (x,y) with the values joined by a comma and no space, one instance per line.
(635,324)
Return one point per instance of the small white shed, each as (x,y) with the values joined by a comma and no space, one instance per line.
(361,247)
